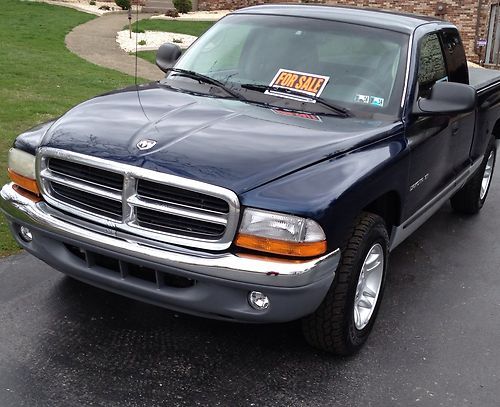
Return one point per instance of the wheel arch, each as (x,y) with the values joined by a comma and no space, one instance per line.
(388,207)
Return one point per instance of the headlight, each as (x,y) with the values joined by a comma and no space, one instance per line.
(22,170)
(280,233)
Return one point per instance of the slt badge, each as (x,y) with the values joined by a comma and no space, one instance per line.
(146,144)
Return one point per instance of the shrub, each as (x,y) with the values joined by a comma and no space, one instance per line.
(183,6)
(92,2)
(107,8)
(172,13)
(124,4)
(142,42)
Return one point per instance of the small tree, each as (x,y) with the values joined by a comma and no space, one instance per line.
(183,6)
(124,4)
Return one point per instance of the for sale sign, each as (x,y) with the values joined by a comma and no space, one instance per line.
(301,83)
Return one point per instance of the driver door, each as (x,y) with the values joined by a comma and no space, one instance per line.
(430,138)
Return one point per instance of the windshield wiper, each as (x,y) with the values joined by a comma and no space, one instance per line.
(207,79)
(262,88)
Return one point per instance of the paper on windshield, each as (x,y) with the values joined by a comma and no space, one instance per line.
(304,83)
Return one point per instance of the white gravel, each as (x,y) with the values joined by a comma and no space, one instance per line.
(153,40)
(196,16)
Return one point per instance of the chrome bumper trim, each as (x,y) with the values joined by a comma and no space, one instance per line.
(271,272)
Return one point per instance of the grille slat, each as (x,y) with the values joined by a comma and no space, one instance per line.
(87,173)
(181,196)
(88,201)
(175,224)
(155,206)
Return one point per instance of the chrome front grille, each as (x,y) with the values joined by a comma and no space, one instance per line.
(153,205)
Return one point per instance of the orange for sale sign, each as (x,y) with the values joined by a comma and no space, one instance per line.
(304,83)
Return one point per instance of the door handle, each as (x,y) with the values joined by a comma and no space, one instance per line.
(455,127)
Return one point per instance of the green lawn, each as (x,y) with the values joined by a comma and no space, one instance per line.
(195,28)
(149,56)
(39,77)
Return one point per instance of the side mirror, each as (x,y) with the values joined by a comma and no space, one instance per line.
(166,56)
(447,98)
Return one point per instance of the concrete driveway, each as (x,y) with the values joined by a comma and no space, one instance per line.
(63,343)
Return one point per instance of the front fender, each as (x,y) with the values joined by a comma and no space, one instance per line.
(31,139)
(335,191)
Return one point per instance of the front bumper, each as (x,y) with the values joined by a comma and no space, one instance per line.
(221,281)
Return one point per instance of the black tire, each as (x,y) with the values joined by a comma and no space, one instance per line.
(468,199)
(331,327)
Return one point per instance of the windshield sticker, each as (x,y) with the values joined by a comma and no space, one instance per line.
(301,115)
(303,83)
(362,99)
(377,101)
(370,100)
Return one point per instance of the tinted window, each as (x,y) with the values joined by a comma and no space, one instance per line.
(431,66)
(455,56)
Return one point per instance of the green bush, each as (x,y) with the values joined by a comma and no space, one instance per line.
(124,4)
(183,6)
(92,2)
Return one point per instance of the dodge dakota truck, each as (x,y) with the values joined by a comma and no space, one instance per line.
(270,173)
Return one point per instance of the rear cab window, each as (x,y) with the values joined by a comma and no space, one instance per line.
(456,60)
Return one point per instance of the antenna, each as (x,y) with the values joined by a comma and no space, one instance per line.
(136,37)
(136,47)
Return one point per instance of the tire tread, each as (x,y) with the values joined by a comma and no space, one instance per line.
(326,327)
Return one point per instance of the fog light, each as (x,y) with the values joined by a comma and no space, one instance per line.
(258,301)
(25,234)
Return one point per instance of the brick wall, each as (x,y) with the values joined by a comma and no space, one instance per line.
(463,13)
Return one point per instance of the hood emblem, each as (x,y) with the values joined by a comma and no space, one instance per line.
(146,144)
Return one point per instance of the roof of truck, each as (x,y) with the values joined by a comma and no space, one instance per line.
(400,22)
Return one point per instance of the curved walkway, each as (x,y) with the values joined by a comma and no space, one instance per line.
(95,41)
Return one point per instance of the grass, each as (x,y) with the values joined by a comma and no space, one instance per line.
(149,56)
(39,78)
(195,28)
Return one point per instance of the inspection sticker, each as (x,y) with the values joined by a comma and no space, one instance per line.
(304,83)
(370,100)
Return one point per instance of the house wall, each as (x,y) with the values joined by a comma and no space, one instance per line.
(463,13)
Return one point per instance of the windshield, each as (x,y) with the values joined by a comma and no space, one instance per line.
(358,68)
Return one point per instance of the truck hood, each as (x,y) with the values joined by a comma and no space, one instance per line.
(220,141)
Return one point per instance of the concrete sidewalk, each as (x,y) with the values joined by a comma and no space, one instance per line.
(95,41)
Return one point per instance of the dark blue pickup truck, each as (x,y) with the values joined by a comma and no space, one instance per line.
(267,177)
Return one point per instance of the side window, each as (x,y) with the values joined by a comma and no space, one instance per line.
(455,56)
(431,65)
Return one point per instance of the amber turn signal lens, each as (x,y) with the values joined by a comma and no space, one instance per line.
(264,244)
(27,194)
(26,183)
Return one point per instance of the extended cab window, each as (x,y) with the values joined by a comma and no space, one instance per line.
(455,56)
(431,65)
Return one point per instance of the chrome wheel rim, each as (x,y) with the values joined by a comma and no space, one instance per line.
(369,284)
(488,172)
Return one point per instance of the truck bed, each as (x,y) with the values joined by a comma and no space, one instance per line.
(481,78)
